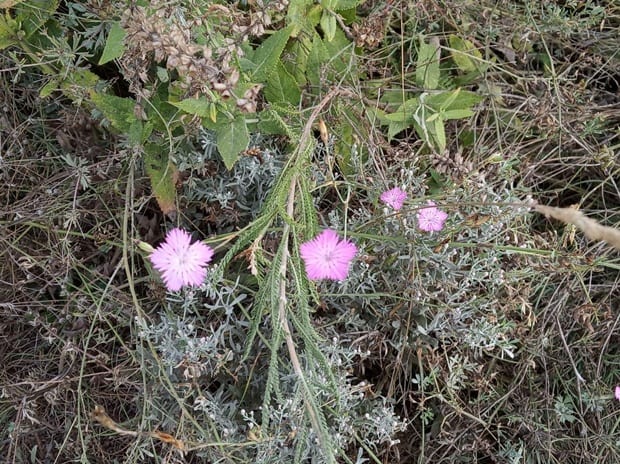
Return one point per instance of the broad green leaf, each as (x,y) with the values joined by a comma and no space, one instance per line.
(397,127)
(317,58)
(456,114)
(340,5)
(232,139)
(114,47)
(198,106)
(341,54)
(453,100)
(300,17)
(282,87)
(329,25)
(268,54)
(162,174)
(427,66)
(439,134)
(8,31)
(466,56)
(119,111)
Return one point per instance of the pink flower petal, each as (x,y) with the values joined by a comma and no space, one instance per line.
(617,392)
(327,257)
(180,261)
(431,219)
(394,198)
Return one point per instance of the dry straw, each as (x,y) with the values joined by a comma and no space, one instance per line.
(592,229)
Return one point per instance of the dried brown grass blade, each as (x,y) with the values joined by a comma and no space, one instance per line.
(591,229)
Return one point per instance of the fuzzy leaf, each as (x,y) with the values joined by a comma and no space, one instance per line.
(329,25)
(119,111)
(199,106)
(268,54)
(282,87)
(114,47)
(8,31)
(466,56)
(427,66)
(232,139)
(162,174)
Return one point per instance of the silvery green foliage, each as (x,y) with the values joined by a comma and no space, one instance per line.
(450,287)
(240,191)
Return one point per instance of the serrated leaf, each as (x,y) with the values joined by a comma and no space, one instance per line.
(198,106)
(268,53)
(162,174)
(119,111)
(114,46)
(427,65)
(282,87)
(466,56)
(317,57)
(232,139)
(329,25)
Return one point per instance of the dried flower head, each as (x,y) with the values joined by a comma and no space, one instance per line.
(180,261)
(327,257)
(430,218)
(394,198)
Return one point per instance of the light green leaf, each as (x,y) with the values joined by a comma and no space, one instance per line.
(466,56)
(232,139)
(345,4)
(162,174)
(198,106)
(427,66)
(439,134)
(8,31)
(282,87)
(48,88)
(119,111)
(456,114)
(329,25)
(453,100)
(114,46)
(268,53)
(317,57)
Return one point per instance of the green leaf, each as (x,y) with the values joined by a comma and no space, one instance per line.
(345,4)
(282,87)
(300,18)
(268,54)
(8,31)
(317,57)
(453,100)
(466,56)
(427,66)
(439,134)
(197,106)
(456,114)
(119,111)
(48,88)
(162,174)
(114,46)
(232,139)
(329,25)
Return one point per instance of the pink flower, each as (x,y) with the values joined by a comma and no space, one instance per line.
(431,219)
(180,262)
(617,392)
(394,198)
(327,257)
